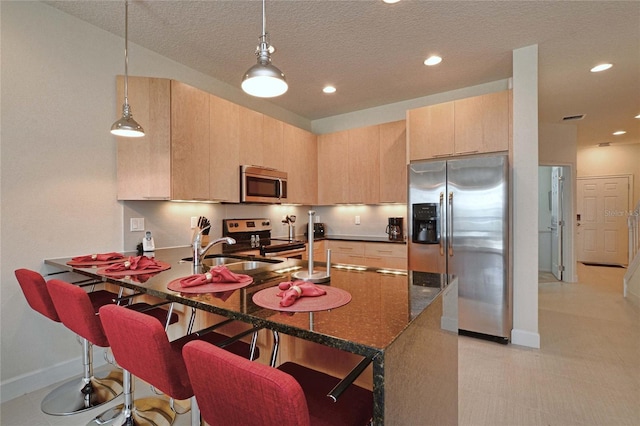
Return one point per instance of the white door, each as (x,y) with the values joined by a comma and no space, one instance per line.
(557,222)
(602,235)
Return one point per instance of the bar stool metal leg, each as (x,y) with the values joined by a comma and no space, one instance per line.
(84,393)
(150,411)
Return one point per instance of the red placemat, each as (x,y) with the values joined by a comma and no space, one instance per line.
(335,297)
(210,287)
(163,267)
(89,263)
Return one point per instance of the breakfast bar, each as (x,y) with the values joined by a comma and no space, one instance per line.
(403,321)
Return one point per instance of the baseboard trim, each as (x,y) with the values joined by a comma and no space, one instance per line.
(525,338)
(41,378)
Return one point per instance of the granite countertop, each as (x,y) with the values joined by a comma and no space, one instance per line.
(360,238)
(383,303)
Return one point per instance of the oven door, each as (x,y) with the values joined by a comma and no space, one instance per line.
(261,185)
(289,251)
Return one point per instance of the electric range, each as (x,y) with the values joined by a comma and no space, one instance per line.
(253,237)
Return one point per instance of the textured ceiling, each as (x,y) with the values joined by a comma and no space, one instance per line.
(373,52)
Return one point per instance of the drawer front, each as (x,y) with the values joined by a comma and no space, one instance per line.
(348,259)
(319,252)
(386,262)
(347,247)
(385,250)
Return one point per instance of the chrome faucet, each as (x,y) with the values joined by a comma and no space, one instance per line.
(199,252)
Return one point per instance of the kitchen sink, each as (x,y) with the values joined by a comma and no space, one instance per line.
(235,263)
(246,265)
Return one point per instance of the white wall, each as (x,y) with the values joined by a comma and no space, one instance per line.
(58,171)
(525,209)
(340,220)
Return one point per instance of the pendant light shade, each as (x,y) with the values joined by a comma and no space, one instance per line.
(126,126)
(264,80)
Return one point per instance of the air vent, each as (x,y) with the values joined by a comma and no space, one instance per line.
(573,117)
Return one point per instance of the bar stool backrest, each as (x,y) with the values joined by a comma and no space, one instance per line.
(140,345)
(232,390)
(35,291)
(76,311)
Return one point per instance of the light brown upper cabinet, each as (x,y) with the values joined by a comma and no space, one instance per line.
(467,126)
(251,134)
(299,161)
(496,121)
(430,131)
(333,168)
(482,123)
(224,170)
(272,143)
(144,164)
(364,165)
(189,143)
(393,168)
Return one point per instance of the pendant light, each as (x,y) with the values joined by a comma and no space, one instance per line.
(126,126)
(264,80)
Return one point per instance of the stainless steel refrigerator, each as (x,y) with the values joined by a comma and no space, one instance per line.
(458,214)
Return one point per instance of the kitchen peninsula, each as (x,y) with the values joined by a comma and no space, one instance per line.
(396,318)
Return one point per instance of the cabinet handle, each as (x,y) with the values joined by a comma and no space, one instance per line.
(384,251)
(468,152)
(442,155)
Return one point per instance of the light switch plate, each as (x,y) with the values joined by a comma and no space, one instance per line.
(357,220)
(137,224)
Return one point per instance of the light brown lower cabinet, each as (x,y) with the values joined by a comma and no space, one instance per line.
(386,255)
(374,255)
(319,251)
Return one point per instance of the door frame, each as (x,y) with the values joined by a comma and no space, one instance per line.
(628,176)
(569,208)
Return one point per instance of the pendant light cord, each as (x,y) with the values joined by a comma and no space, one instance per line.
(264,20)
(126,54)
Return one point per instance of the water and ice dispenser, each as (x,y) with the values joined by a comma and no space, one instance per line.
(426,229)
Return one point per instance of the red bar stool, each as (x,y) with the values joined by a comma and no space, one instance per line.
(233,391)
(88,391)
(142,348)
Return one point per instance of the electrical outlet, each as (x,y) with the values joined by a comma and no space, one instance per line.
(194,222)
(137,224)
(357,220)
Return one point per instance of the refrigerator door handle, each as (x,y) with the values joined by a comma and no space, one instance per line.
(450,225)
(442,225)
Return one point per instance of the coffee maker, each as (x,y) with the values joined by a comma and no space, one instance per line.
(425,224)
(395,229)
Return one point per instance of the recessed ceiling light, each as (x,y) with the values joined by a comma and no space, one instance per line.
(638,116)
(329,89)
(601,67)
(432,60)
(390,1)
(619,132)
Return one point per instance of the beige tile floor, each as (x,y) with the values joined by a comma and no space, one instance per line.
(587,371)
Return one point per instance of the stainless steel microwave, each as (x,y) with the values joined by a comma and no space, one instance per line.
(262,185)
